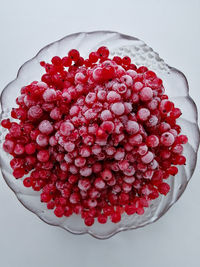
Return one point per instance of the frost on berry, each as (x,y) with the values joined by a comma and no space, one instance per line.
(96,137)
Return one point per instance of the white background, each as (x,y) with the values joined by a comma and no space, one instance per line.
(172,28)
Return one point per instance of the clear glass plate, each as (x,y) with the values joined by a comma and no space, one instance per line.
(176,86)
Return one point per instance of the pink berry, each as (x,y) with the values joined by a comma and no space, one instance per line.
(80,162)
(99,183)
(146,94)
(35,112)
(106,115)
(106,175)
(66,128)
(138,86)
(113,96)
(118,108)
(19,149)
(43,155)
(42,140)
(147,158)
(49,95)
(108,126)
(90,98)
(132,127)
(55,113)
(167,139)
(143,114)
(45,127)
(8,146)
(69,146)
(74,198)
(86,171)
(84,184)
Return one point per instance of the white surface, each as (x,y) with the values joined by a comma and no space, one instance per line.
(172,28)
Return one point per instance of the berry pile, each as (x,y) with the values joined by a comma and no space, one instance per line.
(97,136)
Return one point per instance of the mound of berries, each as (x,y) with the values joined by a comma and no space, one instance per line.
(97,137)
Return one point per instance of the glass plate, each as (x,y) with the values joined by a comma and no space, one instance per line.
(176,86)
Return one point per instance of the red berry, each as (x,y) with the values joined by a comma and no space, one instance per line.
(103,52)
(89,221)
(18,173)
(59,211)
(27,182)
(6,123)
(172,170)
(130,209)
(164,188)
(152,141)
(79,62)
(146,94)
(45,197)
(74,54)
(93,57)
(126,60)
(118,60)
(167,139)
(8,146)
(30,148)
(66,61)
(43,155)
(115,217)
(182,139)
(56,61)
(142,69)
(102,218)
